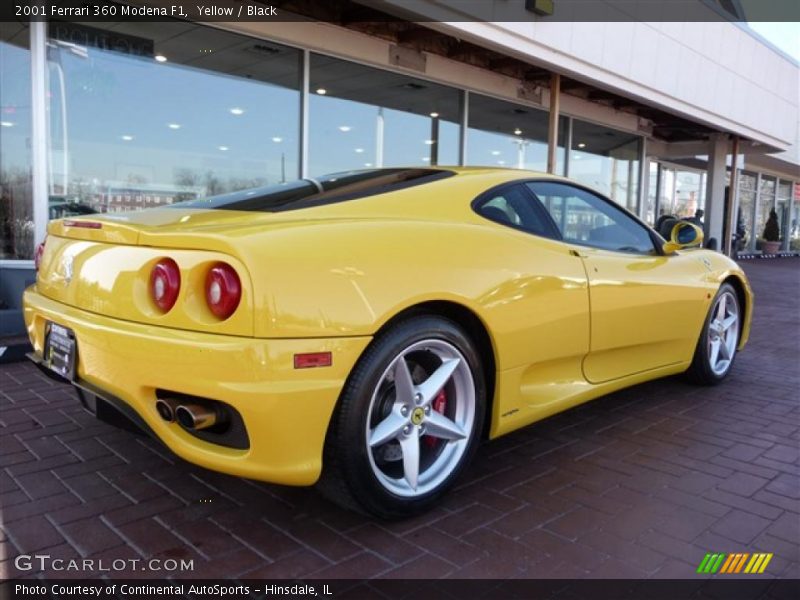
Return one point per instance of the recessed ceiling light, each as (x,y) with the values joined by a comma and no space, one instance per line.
(344,128)
(495,152)
(277,139)
(224,148)
(501,162)
(322,91)
(426,158)
(160,58)
(173,125)
(581,145)
(127,138)
(6,124)
(434,114)
(429,142)
(576,156)
(237,111)
(367,164)
(359,150)
(518,131)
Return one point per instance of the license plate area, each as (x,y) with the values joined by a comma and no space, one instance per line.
(60,350)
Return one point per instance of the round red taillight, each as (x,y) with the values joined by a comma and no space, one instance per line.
(37,256)
(223,290)
(165,283)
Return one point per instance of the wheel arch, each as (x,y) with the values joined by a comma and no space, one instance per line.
(744,301)
(473,326)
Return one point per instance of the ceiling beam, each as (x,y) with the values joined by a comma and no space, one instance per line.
(418,35)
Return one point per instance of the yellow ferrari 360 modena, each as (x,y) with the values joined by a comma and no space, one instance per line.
(365,330)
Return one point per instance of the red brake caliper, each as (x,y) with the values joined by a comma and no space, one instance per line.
(439,405)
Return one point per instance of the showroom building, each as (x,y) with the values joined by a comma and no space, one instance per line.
(115,116)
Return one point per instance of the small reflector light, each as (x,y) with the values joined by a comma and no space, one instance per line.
(37,257)
(83,224)
(313,359)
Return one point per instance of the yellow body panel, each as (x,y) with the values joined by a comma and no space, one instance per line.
(286,410)
(566,323)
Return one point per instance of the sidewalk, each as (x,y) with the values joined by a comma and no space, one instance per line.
(641,483)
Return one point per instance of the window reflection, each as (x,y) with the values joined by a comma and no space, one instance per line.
(365,117)
(503,134)
(782,207)
(766,203)
(16,205)
(143,116)
(652,192)
(683,192)
(747,200)
(606,160)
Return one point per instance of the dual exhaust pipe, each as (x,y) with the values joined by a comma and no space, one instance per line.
(191,416)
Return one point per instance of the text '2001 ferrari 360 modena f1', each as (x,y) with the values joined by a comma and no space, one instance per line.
(365,330)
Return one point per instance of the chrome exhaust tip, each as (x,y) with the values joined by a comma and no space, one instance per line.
(166,408)
(196,417)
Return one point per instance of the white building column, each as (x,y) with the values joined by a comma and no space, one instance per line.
(39,130)
(715,187)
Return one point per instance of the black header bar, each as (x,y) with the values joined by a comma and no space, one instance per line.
(361,11)
(740,588)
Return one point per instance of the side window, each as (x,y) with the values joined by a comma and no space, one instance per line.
(586,219)
(513,205)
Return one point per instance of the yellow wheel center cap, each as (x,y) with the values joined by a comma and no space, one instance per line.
(418,416)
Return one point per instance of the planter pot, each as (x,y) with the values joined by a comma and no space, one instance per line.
(770,247)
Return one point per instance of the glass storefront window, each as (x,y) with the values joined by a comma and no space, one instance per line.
(16,203)
(652,192)
(794,222)
(783,205)
(747,200)
(766,203)
(607,161)
(147,114)
(505,134)
(362,117)
(684,192)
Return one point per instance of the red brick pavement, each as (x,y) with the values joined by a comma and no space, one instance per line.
(641,483)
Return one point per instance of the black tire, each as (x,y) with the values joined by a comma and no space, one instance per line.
(350,476)
(701,371)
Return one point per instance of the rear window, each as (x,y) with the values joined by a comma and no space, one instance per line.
(329,189)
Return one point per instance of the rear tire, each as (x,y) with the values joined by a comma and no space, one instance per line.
(716,348)
(408,420)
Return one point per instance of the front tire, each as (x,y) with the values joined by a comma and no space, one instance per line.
(408,420)
(716,348)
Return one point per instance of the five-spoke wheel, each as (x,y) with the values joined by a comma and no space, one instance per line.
(408,420)
(716,348)
(420,417)
(723,333)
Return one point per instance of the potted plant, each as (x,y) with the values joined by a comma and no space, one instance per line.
(772,234)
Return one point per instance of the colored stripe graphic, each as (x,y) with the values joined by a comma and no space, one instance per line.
(727,564)
(736,562)
(755,562)
(740,564)
(764,564)
(718,563)
(704,563)
(731,564)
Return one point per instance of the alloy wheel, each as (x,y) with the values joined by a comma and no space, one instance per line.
(420,418)
(723,333)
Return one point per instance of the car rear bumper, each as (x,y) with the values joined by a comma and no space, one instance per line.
(285,411)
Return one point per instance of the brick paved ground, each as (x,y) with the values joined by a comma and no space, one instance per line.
(641,483)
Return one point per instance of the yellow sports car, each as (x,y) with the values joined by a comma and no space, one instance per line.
(365,330)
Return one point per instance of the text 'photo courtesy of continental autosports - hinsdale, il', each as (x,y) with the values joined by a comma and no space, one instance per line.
(365,330)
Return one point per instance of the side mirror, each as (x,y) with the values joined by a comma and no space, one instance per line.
(683,235)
